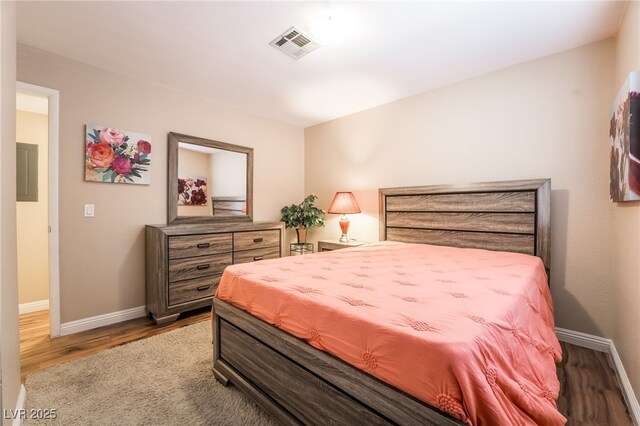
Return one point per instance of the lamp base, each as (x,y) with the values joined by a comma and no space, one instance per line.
(344,227)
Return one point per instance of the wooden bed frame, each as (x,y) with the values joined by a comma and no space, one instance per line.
(297,383)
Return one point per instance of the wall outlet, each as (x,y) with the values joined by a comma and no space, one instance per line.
(89,210)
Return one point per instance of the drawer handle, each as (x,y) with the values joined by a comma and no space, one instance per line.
(258,240)
(204,287)
(204,245)
(258,258)
(201,267)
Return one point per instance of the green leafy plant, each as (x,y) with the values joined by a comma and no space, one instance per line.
(303,215)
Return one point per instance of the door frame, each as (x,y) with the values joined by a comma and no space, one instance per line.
(54,235)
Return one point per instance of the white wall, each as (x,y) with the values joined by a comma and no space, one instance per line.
(102,258)
(9,343)
(541,119)
(228,174)
(33,216)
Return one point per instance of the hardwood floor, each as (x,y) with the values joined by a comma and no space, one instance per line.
(589,390)
(39,351)
(589,393)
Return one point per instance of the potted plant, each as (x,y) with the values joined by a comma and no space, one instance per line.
(303,217)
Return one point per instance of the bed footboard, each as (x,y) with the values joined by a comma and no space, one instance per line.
(297,383)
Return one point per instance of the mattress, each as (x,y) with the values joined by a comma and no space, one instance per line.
(468,331)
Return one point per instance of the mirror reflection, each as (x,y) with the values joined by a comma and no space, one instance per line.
(211,181)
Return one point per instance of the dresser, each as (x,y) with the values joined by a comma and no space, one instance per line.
(184,262)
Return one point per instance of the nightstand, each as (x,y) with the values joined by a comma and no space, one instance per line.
(296,249)
(329,245)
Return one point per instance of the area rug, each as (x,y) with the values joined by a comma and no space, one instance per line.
(161,380)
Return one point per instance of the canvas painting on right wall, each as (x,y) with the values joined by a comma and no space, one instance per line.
(624,134)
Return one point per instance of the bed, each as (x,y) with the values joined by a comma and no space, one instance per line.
(299,383)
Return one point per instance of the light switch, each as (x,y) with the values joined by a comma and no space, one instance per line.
(89,210)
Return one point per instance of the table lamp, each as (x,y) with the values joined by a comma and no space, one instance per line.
(344,203)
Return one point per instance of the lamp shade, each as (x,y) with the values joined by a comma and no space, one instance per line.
(344,203)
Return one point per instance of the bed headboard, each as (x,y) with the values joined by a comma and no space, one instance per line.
(506,216)
(228,206)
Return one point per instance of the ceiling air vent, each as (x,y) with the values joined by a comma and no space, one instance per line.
(295,43)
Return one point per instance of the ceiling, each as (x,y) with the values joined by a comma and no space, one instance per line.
(375,52)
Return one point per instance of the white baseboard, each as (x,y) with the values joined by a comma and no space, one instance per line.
(101,320)
(584,340)
(625,384)
(39,305)
(22,398)
(602,344)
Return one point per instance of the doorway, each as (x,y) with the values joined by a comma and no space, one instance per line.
(37,207)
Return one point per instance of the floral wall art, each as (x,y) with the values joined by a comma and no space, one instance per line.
(624,134)
(192,191)
(117,156)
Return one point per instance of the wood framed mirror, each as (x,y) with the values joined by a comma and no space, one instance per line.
(208,181)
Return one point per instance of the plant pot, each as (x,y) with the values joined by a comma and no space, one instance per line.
(302,235)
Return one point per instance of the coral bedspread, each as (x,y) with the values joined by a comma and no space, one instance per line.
(468,331)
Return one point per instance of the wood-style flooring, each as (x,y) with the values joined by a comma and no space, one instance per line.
(589,393)
(39,351)
(589,389)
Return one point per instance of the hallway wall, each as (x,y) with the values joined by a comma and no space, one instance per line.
(32,217)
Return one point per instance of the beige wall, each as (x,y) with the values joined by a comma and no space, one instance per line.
(102,258)
(542,119)
(33,217)
(626,312)
(9,345)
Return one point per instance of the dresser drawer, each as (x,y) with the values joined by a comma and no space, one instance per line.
(255,255)
(255,239)
(195,267)
(199,245)
(194,289)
